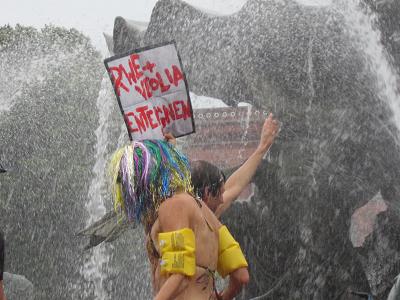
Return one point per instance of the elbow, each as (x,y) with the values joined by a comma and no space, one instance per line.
(241,276)
(244,278)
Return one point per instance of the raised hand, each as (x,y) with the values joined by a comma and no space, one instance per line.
(269,131)
(170,138)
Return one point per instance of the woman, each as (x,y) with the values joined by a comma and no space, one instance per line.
(152,185)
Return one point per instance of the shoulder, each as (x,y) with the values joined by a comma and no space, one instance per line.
(176,212)
(180,201)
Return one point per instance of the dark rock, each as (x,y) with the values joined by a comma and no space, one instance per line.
(54,77)
(337,149)
(127,35)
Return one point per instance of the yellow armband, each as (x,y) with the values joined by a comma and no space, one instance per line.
(178,252)
(230,256)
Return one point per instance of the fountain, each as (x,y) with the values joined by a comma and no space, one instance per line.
(50,83)
(322,68)
(328,69)
(93,269)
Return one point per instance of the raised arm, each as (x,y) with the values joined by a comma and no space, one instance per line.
(242,177)
(174,214)
(169,137)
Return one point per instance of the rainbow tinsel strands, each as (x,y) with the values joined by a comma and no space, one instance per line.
(144,174)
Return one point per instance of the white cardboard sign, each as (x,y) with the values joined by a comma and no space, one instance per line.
(152,92)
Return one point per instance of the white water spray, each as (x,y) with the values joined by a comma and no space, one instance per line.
(245,123)
(361,23)
(23,66)
(314,2)
(93,268)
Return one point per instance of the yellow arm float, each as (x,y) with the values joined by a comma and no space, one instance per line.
(230,256)
(178,252)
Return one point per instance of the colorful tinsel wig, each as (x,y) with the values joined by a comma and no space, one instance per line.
(144,174)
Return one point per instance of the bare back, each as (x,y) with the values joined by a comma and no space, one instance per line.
(205,227)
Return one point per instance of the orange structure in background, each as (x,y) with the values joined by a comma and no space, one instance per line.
(224,136)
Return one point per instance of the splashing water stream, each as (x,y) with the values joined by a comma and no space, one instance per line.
(245,123)
(360,23)
(93,269)
(362,27)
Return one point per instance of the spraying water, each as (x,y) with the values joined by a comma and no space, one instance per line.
(360,23)
(245,123)
(93,270)
(362,27)
(26,68)
(315,2)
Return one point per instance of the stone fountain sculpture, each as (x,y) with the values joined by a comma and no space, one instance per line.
(337,150)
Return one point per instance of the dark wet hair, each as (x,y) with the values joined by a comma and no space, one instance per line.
(206,175)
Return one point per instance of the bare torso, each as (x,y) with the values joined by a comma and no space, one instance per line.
(205,227)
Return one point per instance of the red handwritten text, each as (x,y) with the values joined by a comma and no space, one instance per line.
(144,118)
(144,85)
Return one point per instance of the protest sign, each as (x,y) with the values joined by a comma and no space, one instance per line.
(152,92)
